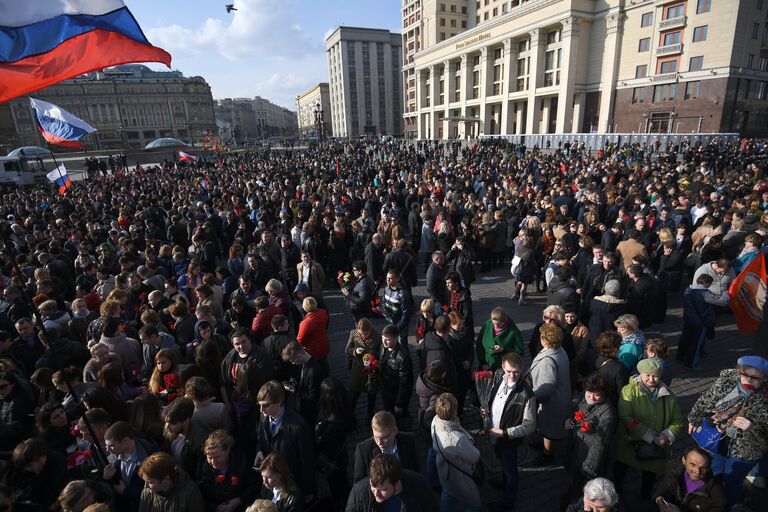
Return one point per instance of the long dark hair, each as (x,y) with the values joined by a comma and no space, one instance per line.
(334,401)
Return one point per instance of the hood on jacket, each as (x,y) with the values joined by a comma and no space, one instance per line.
(301,287)
(426,388)
(610,299)
(198,324)
(555,285)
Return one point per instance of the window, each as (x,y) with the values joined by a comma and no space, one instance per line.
(463,23)
(755,30)
(644,45)
(442,22)
(442,7)
(664,93)
(476,60)
(464,10)
(442,36)
(553,37)
(703,6)
(552,68)
(638,95)
(745,91)
(763,63)
(675,11)
(495,11)
(453,8)
(646,20)
(761,90)
(750,61)
(497,54)
(672,38)
(696,63)
(700,34)
(692,90)
(485,16)
(641,71)
(759,5)
(522,46)
(669,66)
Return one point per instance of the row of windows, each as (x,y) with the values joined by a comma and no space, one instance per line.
(692,91)
(677,10)
(671,66)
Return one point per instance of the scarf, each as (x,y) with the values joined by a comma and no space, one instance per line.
(81,316)
(499,329)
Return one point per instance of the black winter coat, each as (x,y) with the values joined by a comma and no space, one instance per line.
(671,486)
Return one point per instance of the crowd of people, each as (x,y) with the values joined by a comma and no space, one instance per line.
(164,333)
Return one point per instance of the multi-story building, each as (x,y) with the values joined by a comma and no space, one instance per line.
(129,105)
(275,121)
(313,111)
(426,22)
(569,66)
(365,82)
(246,120)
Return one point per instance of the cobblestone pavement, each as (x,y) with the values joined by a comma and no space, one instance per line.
(541,487)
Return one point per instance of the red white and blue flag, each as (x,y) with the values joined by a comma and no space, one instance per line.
(43,42)
(58,126)
(186,157)
(60,177)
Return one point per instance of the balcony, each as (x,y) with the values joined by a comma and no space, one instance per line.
(679,21)
(670,49)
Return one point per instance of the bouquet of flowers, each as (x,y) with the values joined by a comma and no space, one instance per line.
(370,367)
(580,422)
(173,388)
(484,387)
(345,280)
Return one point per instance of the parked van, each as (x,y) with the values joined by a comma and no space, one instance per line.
(21,172)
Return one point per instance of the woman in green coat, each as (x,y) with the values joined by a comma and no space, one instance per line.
(649,416)
(497,336)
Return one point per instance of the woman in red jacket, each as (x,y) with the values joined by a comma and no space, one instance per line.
(313,332)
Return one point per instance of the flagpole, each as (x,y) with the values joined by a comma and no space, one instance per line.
(58,169)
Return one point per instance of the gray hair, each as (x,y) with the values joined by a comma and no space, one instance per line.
(613,288)
(601,489)
(273,285)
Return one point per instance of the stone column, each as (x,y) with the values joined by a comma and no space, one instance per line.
(485,77)
(578,112)
(545,114)
(610,69)
(570,49)
(519,119)
(448,71)
(506,117)
(433,101)
(466,75)
(419,101)
(537,60)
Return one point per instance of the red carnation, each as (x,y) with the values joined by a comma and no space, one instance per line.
(234,480)
(579,416)
(633,424)
(585,427)
(219,479)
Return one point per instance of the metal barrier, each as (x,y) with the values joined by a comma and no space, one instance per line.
(599,140)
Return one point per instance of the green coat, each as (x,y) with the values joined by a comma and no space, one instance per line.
(639,416)
(510,339)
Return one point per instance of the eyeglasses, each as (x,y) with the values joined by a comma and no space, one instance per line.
(750,377)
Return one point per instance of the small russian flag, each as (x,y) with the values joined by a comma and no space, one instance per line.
(186,157)
(58,126)
(60,177)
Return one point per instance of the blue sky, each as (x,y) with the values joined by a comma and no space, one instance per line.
(269,48)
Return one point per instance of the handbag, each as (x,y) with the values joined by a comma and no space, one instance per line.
(516,260)
(478,471)
(707,436)
(651,451)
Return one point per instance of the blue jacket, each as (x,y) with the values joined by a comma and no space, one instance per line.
(697,312)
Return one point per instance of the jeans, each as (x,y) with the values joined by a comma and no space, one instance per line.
(432,475)
(450,504)
(733,471)
(508,457)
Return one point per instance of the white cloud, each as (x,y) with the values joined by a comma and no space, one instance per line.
(259,28)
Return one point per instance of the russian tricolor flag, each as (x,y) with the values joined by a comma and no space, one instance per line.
(60,177)
(43,42)
(186,157)
(58,126)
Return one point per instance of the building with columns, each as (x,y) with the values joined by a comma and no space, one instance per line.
(314,102)
(129,105)
(576,66)
(365,82)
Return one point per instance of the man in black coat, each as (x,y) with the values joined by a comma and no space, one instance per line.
(374,258)
(687,485)
(436,288)
(282,430)
(307,389)
(395,372)
(385,439)
(390,487)
(403,263)
(641,295)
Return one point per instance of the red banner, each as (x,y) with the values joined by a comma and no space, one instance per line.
(747,293)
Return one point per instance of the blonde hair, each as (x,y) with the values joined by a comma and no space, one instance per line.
(551,335)
(628,322)
(446,406)
(219,439)
(499,314)
(309,304)
(427,305)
